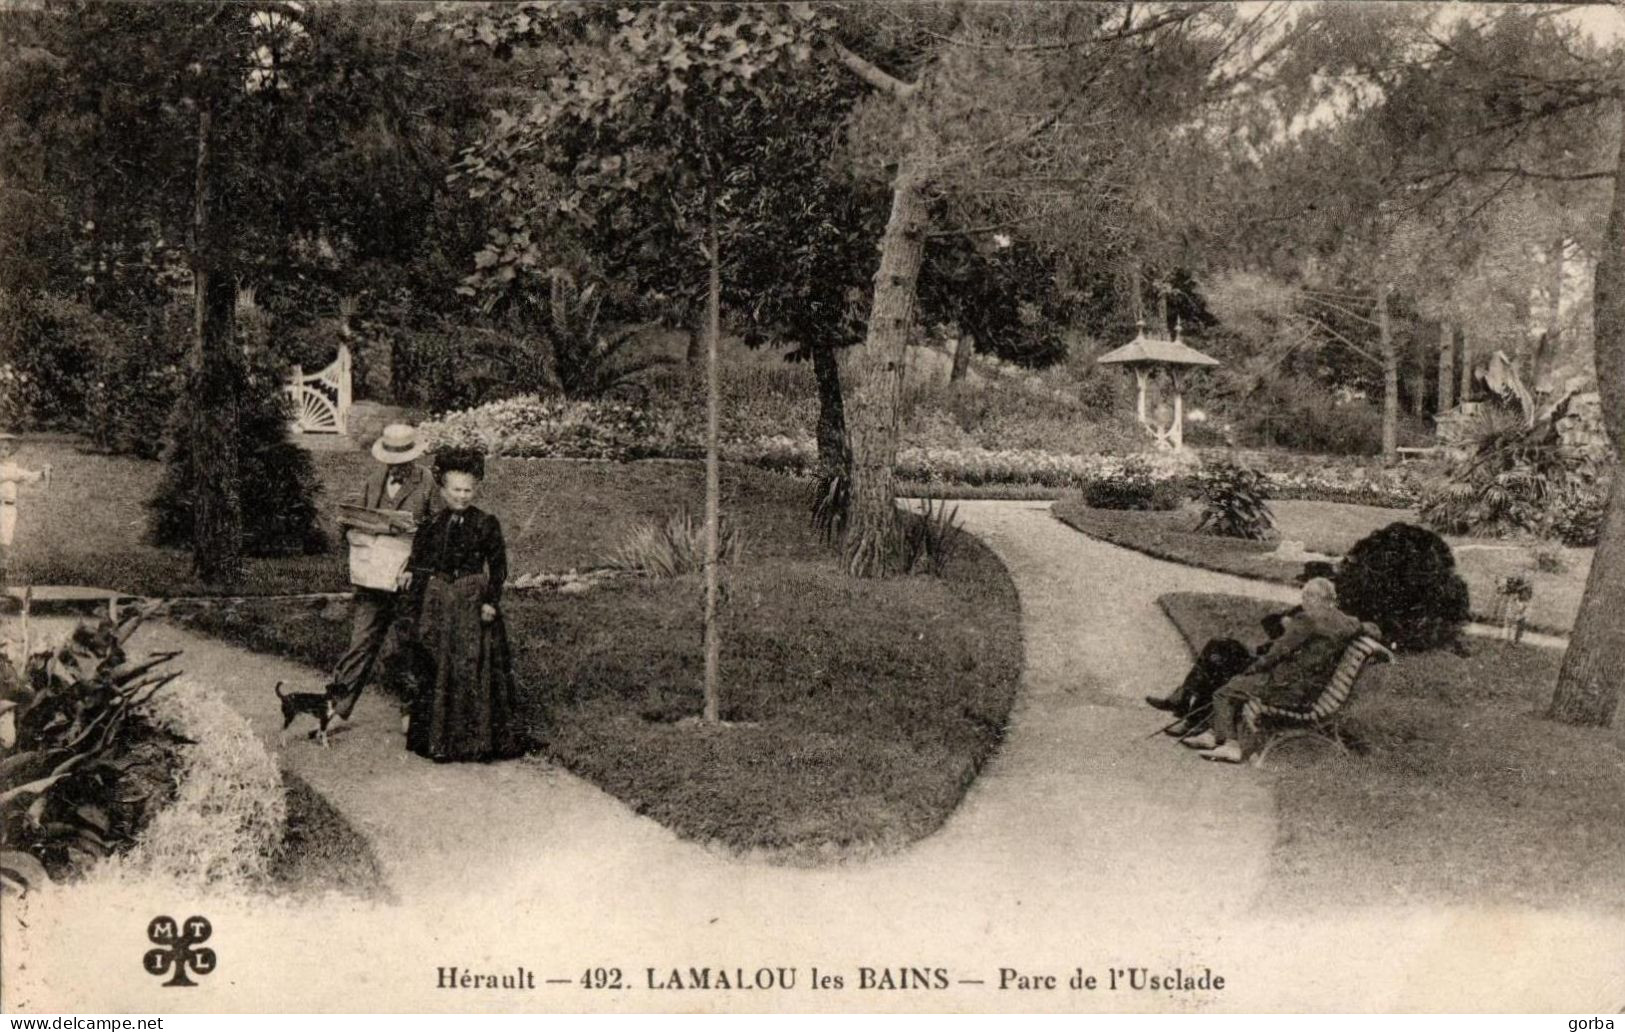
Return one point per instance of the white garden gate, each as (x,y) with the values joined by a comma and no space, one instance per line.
(321,400)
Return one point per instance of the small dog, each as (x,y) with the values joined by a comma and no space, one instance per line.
(318,704)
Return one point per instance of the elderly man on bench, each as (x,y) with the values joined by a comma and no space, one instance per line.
(1290,675)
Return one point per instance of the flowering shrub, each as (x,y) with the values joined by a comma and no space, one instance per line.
(1390,489)
(553,427)
(757,401)
(797,456)
(1135,485)
(1576,517)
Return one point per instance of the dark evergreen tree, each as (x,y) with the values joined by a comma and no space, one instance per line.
(276,479)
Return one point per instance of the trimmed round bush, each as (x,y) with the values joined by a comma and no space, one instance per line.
(1403,578)
(1134,486)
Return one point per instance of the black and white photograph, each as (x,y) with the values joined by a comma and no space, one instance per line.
(910,506)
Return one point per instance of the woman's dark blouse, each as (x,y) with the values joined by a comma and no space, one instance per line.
(458,544)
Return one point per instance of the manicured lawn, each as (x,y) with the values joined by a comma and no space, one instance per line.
(90,527)
(861,710)
(1464,792)
(1331,528)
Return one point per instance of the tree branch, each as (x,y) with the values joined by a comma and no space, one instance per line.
(1178,15)
(993,227)
(1518,172)
(1357,349)
(873,74)
(1334,306)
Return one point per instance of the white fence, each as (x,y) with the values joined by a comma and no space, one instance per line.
(321,400)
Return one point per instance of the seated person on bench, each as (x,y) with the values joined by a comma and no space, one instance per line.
(1291,674)
(1219,661)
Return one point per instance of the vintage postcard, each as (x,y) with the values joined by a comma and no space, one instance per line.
(811,507)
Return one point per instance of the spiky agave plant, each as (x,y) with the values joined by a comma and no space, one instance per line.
(674,547)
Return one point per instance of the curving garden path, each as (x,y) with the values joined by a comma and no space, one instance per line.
(1084,844)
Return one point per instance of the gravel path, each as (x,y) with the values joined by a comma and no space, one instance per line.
(1084,844)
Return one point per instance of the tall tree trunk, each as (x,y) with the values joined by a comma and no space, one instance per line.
(1551,342)
(1591,678)
(962,355)
(216,378)
(1419,384)
(1465,347)
(831,417)
(713,492)
(1447,366)
(872,378)
(1390,379)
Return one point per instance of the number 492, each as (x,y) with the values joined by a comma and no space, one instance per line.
(601,978)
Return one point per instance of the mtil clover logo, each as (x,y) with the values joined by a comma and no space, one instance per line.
(178,949)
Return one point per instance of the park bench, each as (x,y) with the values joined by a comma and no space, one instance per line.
(70,598)
(1406,454)
(1322,717)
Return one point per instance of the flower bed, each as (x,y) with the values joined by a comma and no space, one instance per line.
(559,428)
(553,427)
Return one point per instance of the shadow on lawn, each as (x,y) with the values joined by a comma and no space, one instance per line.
(1464,792)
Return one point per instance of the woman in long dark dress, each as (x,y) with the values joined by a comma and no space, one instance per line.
(463,708)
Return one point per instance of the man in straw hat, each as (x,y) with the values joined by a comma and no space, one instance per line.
(400,485)
(11,474)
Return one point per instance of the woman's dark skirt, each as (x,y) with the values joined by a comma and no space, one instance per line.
(464,707)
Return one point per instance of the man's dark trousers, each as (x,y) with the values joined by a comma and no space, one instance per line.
(374,613)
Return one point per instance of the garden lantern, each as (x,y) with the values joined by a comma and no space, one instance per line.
(1143,355)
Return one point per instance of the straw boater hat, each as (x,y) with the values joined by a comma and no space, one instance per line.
(398,443)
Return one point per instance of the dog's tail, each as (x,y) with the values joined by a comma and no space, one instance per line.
(279,691)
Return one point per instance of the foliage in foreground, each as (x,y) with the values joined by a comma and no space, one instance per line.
(83,768)
(226,821)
